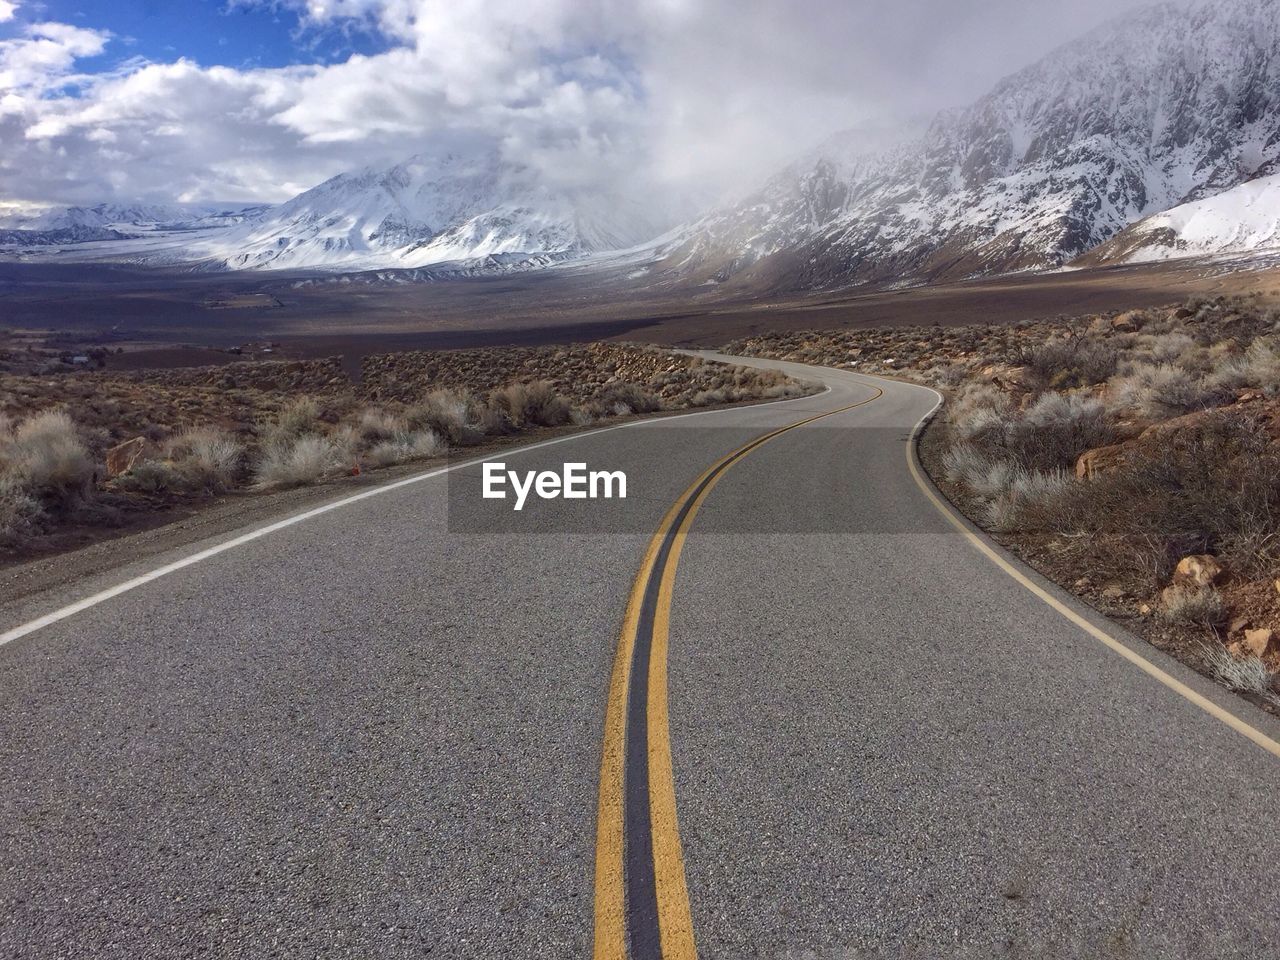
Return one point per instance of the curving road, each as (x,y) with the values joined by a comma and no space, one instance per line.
(775,703)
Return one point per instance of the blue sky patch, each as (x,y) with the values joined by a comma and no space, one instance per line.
(210,32)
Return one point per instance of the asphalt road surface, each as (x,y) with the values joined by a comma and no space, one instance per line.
(772,704)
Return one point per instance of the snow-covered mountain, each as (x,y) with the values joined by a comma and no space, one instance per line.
(1242,220)
(426,211)
(469,214)
(1173,110)
(1161,107)
(125,218)
(36,226)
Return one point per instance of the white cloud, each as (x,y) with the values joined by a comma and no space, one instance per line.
(714,91)
(44,55)
(7,10)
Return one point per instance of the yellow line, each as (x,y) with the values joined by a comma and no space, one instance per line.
(1141,662)
(610,902)
(675,922)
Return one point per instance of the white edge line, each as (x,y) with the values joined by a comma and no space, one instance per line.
(994,554)
(92,601)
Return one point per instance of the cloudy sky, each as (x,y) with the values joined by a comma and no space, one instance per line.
(259,99)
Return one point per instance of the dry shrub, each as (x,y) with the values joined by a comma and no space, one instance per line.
(299,461)
(1159,392)
(448,414)
(491,421)
(535,403)
(375,425)
(1024,494)
(205,459)
(297,418)
(1171,347)
(1257,369)
(406,446)
(1049,435)
(20,512)
(1076,360)
(984,474)
(624,398)
(153,477)
(45,457)
(1207,489)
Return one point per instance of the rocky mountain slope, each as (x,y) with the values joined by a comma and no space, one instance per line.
(1165,106)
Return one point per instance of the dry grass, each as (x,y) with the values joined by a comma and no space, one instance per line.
(1048,435)
(48,456)
(405,447)
(46,472)
(207,459)
(625,398)
(294,462)
(20,512)
(1074,360)
(1247,674)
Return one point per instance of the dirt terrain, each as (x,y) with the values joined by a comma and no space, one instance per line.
(161,318)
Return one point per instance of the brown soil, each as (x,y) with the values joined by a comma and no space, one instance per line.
(159,317)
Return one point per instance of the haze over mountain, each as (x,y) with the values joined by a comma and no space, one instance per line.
(1158,108)
(433,210)
(454,209)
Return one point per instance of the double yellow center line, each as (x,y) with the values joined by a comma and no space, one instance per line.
(641,896)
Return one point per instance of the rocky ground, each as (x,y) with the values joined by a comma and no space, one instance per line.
(85,453)
(1131,457)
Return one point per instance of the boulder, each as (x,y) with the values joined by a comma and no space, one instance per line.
(122,457)
(1197,571)
(1100,460)
(1257,642)
(1128,322)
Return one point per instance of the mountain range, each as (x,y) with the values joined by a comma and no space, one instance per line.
(40,225)
(1167,106)
(1154,136)
(431,210)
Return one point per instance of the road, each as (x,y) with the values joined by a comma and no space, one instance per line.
(772,704)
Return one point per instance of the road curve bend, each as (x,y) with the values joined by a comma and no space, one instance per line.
(775,703)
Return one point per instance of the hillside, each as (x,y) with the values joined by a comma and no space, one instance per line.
(1242,220)
(1165,106)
